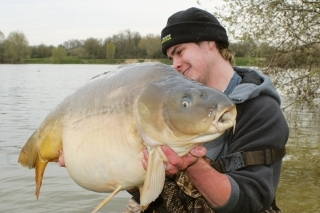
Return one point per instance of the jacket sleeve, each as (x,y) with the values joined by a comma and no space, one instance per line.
(260,125)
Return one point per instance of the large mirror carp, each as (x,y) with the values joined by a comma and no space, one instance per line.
(103,127)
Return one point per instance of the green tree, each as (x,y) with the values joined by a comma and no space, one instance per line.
(41,51)
(292,30)
(94,48)
(72,44)
(151,44)
(127,44)
(2,39)
(110,50)
(78,52)
(16,47)
(58,54)
(75,48)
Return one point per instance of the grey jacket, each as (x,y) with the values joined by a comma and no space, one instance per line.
(260,125)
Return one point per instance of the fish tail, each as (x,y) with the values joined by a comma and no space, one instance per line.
(29,157)
(42,147)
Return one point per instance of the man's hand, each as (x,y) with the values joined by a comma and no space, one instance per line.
(177,163)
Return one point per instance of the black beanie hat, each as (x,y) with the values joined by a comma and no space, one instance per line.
(192,25)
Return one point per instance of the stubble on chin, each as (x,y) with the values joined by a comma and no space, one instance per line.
(204,78)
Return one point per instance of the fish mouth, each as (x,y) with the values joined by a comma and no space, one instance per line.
(225,119)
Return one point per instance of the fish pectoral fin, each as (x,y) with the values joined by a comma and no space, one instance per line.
(154,180)
(146,206)
(105,201)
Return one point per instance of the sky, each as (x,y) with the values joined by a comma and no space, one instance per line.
(52,22)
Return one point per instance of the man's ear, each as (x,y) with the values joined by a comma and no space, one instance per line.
(211,44)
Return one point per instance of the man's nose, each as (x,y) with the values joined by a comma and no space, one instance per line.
(177,64)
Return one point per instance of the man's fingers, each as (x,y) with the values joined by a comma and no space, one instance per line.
(176,163)
(188,160)
(145,154)
(61,162)
(173,158)
(145,158)
(171,170)
(198,151)
(144,164)
(180,163)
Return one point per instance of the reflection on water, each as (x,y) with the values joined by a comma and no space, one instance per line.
(29,92)
(299,189)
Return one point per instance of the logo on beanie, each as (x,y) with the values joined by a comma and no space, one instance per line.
(166,38)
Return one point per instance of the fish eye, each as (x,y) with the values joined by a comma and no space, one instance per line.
(185,104)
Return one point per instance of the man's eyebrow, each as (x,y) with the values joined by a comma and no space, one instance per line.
(174,50)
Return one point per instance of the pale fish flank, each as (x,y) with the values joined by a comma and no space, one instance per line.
(103,127)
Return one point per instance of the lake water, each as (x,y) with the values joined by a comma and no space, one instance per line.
(29,92)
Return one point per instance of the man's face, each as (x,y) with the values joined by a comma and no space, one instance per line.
(191,60)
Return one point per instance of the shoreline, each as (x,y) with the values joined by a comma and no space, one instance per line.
(239,61)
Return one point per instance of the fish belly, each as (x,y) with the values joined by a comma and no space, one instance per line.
(100,158)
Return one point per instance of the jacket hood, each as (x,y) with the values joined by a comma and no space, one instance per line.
(252,85)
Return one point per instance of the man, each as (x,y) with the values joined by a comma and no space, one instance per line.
(241,169)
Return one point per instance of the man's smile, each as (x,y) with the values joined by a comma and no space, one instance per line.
(185,72)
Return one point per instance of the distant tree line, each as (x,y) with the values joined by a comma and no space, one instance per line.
(124,45)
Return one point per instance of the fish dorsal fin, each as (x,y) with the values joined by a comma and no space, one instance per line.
(155,178)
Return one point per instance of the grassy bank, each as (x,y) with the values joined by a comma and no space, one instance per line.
(73,61)
(247,61)
(92,61)
(240,61)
